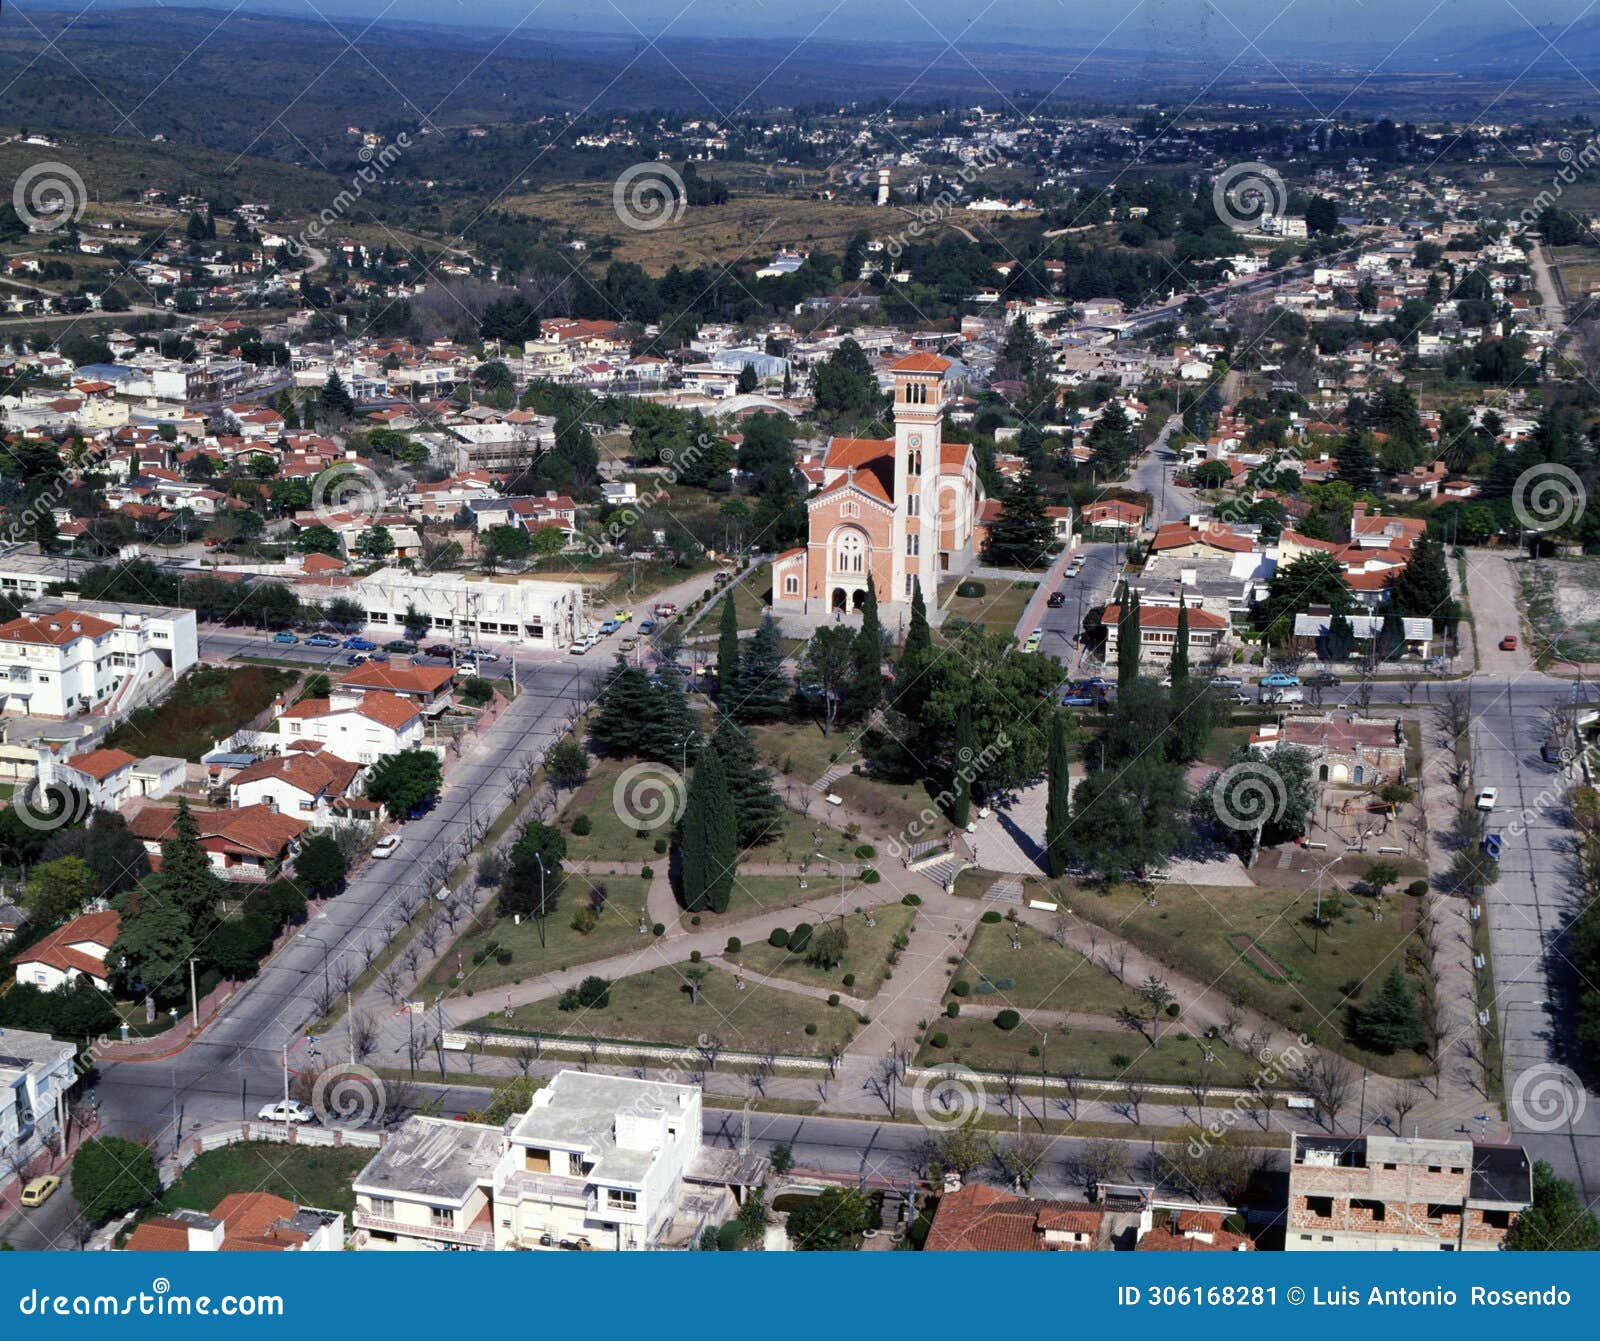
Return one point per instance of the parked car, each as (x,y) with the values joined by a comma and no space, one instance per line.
(1057,600)
(1282,694)
(622,616)
(1227,681)
(402,647)
(285,1110)
(666,610)
(578,647)
(1509,643)
(380,657)
(284,636)
(1034,639)
(1093,682)
(385,846)
(609,627)
(1487,798)
(1279,680)
(440,650)
(627,644)
(1077,700)
(1239,696)
(647,626)
(357,659)
(359,644)
(40,1190)
(722,579)
(321,640)
(1323,680)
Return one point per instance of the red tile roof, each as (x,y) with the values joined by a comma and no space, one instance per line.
(317,773)
(100,764)
(388,709)
(920,363)
(56,949)
(252,830)
(56,629)
(399,679)
(984,1219)
(1166,617)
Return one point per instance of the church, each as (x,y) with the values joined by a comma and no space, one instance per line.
(902,509)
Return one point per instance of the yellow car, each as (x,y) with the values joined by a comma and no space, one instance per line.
(1034,639)
(40,1190)
(623,616)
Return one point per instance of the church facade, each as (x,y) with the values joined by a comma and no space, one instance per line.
(902,509)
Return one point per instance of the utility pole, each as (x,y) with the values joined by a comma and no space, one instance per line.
(194,999)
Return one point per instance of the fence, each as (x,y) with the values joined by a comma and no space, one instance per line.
(599,1049)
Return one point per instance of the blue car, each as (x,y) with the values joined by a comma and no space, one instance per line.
(284,636)
(321,640)
(1278,680)
(360,645)
(1077,701)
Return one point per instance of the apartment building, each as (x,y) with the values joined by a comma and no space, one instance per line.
(1393,1193)
(597,1162)
(536,613)
(59,658)
(36,1074)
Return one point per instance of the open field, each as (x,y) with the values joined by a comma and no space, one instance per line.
(1190,929)
(209,703)
(655,1007)
(867,957)
(997,610)
(616,931)
(1563,603)
(1041,975)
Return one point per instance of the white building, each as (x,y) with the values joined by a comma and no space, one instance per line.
(460,607)
(601,1162)
(61,658)
(36,1073)
(304,783)
(362,726)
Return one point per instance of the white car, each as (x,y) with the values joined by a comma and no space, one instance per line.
(385,846)
(1487,797)
(291,1110)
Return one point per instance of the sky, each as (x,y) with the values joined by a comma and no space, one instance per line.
(1312,27)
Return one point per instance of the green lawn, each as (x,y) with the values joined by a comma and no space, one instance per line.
(311,1175)
(752,598)
(655,1007)
(1113,1055)
(894,806)
(1042,974)
(615,932)
(799,750)
(208,703)
(998,609)
(867,956)
(1190,929)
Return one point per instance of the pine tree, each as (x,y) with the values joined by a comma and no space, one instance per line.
(727,652)
(186,880)
(616,727)
(1341,640)
(966,750)
(761,693)
(708,840)
(1180,649)
(670,731)
(1128,640)
(1057,811)
(756,807)
(1390,1022)
(867,692)
(1423,587)
(1022,536)
(919,638)
(1356,466)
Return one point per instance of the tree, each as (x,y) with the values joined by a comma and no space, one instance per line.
(756,807)
(1312,579)
(727,653)
(321,866)
(112,1175)
(1180,648)
(1058,805)
(762,688)
(1558,1221)
(1128,641)
(503,545)
(961,767)
(1389,1022)
(1423,587)
(834,1220)
(405,781)
(1157,996)
(919,637)
(319,539)
(1022,536)
(828,668)
(186,880)
(334,398)
(708,840)
(642,716)
(1130,817)
(867,692)
(416,623)
(1356,465)
(567,764)
(58,890)
(346,614)
(1341,640)
(531,881)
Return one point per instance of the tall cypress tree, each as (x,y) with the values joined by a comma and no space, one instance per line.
(756,807)
(1180,649)
(1128,640)
(1057,811)
(868,690)
(919,638)
(727,651)
(708,840)
(761,691)
(962,766)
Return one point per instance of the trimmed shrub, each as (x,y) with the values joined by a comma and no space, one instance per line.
(833,998)
(912,900)
(870,876)
(969,589)
(778,938)
(961,987)
(866,852)
(734,945)
(811,1029)
(800,937)
(659,929)
(1007,1020)
(939,1041)
(1174,1010)
(849,980)
(952,1009)
(583,826)
(694,956)
(991,917)
(660,845)
(1417,888)
(728,1237)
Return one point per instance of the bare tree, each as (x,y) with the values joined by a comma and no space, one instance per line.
(392,984)
(523,1059)
(1101,1161)
(1134,1092)
(1020,1157)
(1327,1078)
(363,1034)
(1072,1084)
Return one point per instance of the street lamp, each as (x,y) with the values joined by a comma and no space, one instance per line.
(538,917)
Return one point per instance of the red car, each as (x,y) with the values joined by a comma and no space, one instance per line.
(1509,643)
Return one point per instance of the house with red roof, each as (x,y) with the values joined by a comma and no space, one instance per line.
(429,687)
(249,1222)
(363,725)
(1114,514)
(982,1219)
(307,784)
(76,950)
(1158,632)
(254,843)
